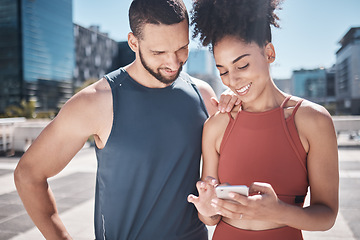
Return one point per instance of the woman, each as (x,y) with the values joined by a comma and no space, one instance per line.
(278,145)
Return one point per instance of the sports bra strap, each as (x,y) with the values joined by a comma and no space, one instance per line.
(230,116)
(297,107)
(285,101)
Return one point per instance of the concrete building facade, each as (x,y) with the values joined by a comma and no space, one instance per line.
(95,53)
(348,73)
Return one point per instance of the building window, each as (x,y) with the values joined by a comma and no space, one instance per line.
(97,61)
(88,51)
(76,31)
(86,74)
(93,38)
(76,72)
(343,71)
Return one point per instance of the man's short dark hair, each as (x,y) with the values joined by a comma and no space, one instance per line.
(166,12)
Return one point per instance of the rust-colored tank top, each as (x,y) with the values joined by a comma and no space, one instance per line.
(265,147)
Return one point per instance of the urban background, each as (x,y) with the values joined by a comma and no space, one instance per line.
(46,57)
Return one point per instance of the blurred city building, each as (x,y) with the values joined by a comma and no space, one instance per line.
(284,85)
(330,84)
(309,84)
(316,85)
(124,57)
(44,55)
(37,55)
(97,54)
(201,64)
(348,73)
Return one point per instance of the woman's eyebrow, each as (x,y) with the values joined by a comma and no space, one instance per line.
(240,57)
(235,60)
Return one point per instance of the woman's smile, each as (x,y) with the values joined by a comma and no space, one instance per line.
(244,90)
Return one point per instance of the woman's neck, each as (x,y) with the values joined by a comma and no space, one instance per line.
(268,100)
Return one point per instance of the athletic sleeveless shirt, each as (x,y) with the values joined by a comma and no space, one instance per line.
(150,163)
(265,147)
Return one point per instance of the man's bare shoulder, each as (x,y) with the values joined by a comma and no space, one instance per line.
(201,84)
(91,105)
(95,96)
(95,92)
(207,93)
(204,87)
(89,111)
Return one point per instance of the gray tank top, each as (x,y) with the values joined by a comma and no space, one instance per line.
(150,163)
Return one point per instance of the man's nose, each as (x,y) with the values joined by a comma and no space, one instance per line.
(173,61)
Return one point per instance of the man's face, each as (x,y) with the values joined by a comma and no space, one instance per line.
(163,50)
(156,73)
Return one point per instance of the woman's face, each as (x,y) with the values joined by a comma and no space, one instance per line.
(244,67)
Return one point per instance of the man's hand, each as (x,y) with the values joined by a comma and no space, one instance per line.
(228,100)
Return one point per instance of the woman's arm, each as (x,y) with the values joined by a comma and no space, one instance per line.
(212,135)
(315,124)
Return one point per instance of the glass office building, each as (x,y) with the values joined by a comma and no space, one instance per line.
(348,73)
(310,84)
(10,54)
(37,56)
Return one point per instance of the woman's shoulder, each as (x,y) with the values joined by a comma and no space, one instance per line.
(312,116)
(220,118)
(215,125)
(310,110)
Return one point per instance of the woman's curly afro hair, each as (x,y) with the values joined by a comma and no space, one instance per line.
(247,20)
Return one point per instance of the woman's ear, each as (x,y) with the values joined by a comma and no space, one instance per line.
(133,42)
(270,52)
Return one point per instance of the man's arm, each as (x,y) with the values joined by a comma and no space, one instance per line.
(51,152)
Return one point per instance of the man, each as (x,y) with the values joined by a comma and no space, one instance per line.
(147,123)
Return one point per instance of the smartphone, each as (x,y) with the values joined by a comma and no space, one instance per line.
(223,191)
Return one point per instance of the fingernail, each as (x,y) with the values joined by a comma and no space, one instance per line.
(215,201)
(213,205)
(232,195)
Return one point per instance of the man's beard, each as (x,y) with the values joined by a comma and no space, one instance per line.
(157,74)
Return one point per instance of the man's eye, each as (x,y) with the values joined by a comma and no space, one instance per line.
(223,74)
